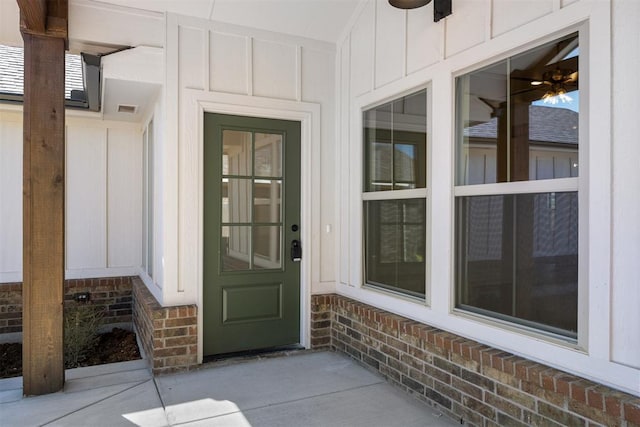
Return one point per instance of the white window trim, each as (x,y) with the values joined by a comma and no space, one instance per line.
(416,193)
(537,186)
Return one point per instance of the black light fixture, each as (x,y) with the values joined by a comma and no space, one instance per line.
(408,4)
(441,8)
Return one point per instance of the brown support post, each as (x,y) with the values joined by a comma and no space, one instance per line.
(43,210)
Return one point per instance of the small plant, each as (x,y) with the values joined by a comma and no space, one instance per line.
(81,324)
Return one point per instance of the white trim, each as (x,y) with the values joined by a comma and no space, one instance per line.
(196,103)
(416,193)
(81,273)
(519,187)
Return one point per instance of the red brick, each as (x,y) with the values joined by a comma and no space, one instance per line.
(174,351)
(595,399)
(612,405)
(579,391)
(180,341)
(632,411)
(563,384)
(547,379)
(171,323)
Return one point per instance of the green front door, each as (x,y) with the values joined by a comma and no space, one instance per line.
(251,222)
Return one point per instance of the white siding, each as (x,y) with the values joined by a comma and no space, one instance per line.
(103,198)
(467,27)
(478,32)
(362,47)
(275,69)
(229,63)
(625,325)
(389,43)
(86,197)
(124,198)
(424,39)
(191,63)
(10,196)
(510,14)
(272,69)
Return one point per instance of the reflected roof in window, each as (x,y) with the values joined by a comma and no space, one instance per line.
(12,72)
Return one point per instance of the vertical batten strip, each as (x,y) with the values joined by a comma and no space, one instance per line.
(298,73)
(249,54)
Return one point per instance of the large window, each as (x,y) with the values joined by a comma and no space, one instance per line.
(395,192)
(517,163)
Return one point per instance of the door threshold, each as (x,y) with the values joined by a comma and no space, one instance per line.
(250,354)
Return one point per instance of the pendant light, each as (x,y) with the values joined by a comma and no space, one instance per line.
(441,8)
(408,4)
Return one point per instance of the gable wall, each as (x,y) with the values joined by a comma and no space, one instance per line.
(250,72)
(388,53)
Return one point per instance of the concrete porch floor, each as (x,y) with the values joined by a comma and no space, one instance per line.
(303,389)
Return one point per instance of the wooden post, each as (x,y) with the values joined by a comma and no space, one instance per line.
(43,200)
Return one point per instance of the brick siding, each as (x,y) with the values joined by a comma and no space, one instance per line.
(112,295)
(468,381)
(169,335)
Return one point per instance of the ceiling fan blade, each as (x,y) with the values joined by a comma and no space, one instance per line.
(572,77)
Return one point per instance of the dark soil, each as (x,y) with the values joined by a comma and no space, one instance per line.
(119,345)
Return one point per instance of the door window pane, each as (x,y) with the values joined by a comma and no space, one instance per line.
(395,233)
(266,247)
(235,247)
(236,153)
(266,202)
(236,200)
(518,258)
(268,155)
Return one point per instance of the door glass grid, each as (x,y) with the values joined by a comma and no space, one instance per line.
(252,183)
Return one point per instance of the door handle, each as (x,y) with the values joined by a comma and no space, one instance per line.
(296,251)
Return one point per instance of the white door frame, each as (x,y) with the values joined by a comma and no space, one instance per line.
(191,175)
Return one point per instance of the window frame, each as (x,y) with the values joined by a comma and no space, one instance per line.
(414,193)
(576,184)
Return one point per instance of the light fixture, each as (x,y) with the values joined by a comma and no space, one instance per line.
(408,4)
(556,94)
(441,8)
(556,80)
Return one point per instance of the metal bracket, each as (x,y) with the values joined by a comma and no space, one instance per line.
(441,9)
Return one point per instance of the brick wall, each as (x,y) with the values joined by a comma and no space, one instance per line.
(321,321)
(112,295)
(169,335)
(10,308)
(477,384)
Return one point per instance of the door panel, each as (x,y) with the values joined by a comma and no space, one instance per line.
(251,216)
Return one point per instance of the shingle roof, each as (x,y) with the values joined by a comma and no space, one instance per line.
(546,124)
(12,71)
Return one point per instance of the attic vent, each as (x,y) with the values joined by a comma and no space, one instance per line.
(131,109)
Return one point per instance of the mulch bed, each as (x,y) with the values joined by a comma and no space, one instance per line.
(119,345)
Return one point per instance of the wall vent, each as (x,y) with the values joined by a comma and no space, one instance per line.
(131,109)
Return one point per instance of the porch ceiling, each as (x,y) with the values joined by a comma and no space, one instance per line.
(317,19)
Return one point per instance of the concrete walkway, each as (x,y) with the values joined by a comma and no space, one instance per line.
(303,389)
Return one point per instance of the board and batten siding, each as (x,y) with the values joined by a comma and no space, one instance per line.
(103,198)
(388,53)
(252,72)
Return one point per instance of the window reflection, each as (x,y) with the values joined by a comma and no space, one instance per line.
(518,119)
(395,252)
(395,144)
(518,258)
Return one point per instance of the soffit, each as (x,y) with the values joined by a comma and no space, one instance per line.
(316,19)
